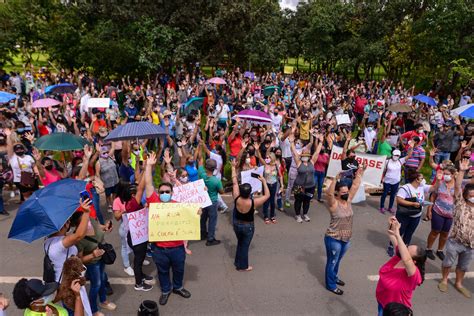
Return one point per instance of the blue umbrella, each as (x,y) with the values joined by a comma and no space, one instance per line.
(466,111)
(425,99)
(46,210)
(135,130)
(60,88)
(193,104)
(6,97)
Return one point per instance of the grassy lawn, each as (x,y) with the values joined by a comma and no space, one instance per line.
(39,60)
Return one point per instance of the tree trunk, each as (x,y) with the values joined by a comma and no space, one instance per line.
(356,72)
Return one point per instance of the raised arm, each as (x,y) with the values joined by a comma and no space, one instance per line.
(463,167)
(331,190)
(410,266)
(266,193)
(150,163)
(357,181)
(235,182)
(74,238)
(315,156)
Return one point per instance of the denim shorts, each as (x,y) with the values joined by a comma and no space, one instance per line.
(440,223)
(456,250)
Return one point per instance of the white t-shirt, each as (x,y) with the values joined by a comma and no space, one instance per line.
(285,148)
(224,114)
(369,137)
(58,255)
(26,162)
(393,174)
(219,162)
(407,191)
(276,121)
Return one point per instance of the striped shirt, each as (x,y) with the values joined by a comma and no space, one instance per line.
(416,158)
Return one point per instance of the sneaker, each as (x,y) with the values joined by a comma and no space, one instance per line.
(430,254)
(146,262)
(183,293)
(108,306)
(298,219)
(164,299)
(147,279)
(390,251)
(306,218)
(129,271)
(224,210)
(143,287)
(392,210)
(440,255)
(287,204)
(213,242)
(382,210)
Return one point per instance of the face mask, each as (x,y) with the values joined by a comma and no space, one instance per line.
(420,131)
(104,155)
(48,299)
(49,167)
(183,179)
(165,197)
(304,159)
(191,162)
(344,197)
(268,160)
(395,158)
(447,178)
(370,128)
(247,161)
(278,156)
(251,152)
(423,182)
(20,152)
(298,146)
(136,152)
(471,200)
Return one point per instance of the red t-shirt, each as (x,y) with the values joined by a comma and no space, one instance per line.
(395,285)
(154,198)
(359,105)
(235,145)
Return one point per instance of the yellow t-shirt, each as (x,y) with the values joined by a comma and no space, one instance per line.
(304,130)
(155,118)
(61,311)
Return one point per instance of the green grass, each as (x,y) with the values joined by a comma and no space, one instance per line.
(39,60)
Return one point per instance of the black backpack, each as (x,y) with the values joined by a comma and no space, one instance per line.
(48,267)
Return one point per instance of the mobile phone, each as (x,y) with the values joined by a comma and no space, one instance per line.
(255,175)
(109,225)
(85,195)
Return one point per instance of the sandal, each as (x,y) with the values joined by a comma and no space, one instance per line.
(464,291)
(274,220)
(337,291)
(267,221)
(443,287)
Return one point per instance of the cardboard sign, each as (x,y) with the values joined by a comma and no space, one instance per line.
(137,225)
(373,173)
(193,192)
(255,183)
(174,221)
(342,119)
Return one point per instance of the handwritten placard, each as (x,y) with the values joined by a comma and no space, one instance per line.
(174,221)
(246,177)
(137,225)
(193,192)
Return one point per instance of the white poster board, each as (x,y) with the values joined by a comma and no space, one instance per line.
(375,166)
(193,192)
(255,183)
(137,225)
(343,119)
(98,103)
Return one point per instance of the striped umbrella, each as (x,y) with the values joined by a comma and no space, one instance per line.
(254,116)
(135,130)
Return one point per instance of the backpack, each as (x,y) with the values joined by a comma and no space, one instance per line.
(48,267)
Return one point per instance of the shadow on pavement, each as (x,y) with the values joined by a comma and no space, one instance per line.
(315,262)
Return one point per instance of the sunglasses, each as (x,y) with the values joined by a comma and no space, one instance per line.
(164,192)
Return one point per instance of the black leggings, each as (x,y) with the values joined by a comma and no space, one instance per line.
(139,254)
(303,199)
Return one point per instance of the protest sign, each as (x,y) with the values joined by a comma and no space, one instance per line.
(343,119)
(288,70)
(98,103)
(137,225)
(193,192)
(375,166)
(247,178)
(174,221)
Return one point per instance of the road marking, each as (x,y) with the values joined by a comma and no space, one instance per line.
(14,279)
(428,276)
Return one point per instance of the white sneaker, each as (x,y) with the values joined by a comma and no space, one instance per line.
(129,271)
(224,210)
(306,218)
(298,219)
(146,262)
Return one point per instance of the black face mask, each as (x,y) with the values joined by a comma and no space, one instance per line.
(20,152)
(344,197)
(49,167)
(251,152)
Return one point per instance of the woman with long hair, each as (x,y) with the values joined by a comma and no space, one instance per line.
(400,276)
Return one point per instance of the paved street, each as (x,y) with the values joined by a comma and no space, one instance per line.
(288,276)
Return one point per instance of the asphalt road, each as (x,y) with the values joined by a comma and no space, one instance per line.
(288,276)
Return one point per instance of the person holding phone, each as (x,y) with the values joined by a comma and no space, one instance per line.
(400,276)
(243,216)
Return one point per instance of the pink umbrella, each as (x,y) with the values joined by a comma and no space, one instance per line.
(45,103)
(216,80)
(254,116)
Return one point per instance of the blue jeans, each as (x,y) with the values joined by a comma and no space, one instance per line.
(408,226)
(271,201)
(210,213)
(389,188)
(96,275)
(96,203)
(279,197)
(124,249)
(319,180)
(335,250)
(380,309)
(244,233)
(166,258)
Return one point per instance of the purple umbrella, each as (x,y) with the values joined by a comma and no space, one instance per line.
(45,103)
(216,80)
(249,74)
(254,116)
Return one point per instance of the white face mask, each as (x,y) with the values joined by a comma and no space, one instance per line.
(247,161)
(420,131)
(268,160)
(298,146)
(183,179)
(304,159)
(396,158)
(471,200)
(47,299)
(447,178)
(423,182)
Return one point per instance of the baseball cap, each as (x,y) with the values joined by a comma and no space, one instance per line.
(396,152)
(38,288)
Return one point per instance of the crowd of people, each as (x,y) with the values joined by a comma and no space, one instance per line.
(205,137)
